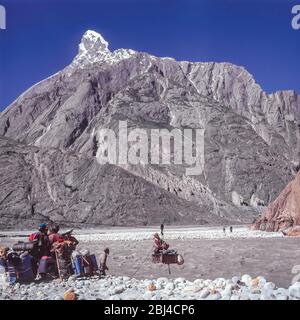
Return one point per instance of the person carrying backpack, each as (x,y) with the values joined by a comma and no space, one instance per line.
(53,234)
(42,245)
(73,242)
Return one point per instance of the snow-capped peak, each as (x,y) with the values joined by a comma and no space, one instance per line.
(93,43)
(93,48)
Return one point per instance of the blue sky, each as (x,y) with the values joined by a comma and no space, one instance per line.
(42,36)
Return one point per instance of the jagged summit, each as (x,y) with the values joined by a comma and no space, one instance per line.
(93,48)
(93,42)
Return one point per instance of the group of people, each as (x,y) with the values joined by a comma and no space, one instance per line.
(54,253)
(49,243)
(50,253)
(60,248)
(230,229)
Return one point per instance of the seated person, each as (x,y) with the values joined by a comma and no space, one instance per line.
(159,244)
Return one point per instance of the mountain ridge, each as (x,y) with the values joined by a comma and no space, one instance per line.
(252,139)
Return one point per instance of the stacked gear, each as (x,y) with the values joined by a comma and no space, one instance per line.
(84,263)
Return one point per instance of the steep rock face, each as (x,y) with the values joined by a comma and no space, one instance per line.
(275,117)
(284,212)
(251,139)
(72,189)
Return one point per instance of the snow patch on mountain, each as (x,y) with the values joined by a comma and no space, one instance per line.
(93,48)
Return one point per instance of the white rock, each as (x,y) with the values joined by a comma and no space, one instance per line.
(235,280)
(294,290)
(244,297)
(267,295)
(269,286)
(170,286)
(228,287)
(119,290)
(281,296)
(283,291)
(179,280)
(204,293)
(254,296)
(261,281)
(255,290)
(191,289)
(220,283)
(245,291)
(207,282)
(226,297)
(199,282)
(162,280)
(246,279)
(148,295)
(125,279)
(157,296)
(215,296)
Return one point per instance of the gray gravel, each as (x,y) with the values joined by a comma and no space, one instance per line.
(125,288)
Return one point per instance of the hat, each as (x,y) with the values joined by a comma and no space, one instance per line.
(42,226)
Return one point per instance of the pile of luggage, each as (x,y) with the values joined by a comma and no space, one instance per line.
(19,266)
(167,257)
(15,267)
(47,255)
(84,263)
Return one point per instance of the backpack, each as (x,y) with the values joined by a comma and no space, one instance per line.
(34,236)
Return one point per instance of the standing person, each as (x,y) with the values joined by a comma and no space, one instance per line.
(73,242)
(231,229)
(42,246)
(103,262)
(43,241)
(224,230)
(53,235)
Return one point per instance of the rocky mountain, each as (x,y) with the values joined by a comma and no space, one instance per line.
(284,212)
(38,183)
(251,141)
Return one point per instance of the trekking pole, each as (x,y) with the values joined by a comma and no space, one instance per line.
(57,264)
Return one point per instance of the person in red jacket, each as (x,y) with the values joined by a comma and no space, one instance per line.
(159,244)
(73,242)
(42,245)
(53,235)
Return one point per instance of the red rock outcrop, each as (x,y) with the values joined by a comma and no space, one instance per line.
(284,212)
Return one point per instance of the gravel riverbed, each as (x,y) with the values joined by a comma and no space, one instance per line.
(208,253)
(125,288)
